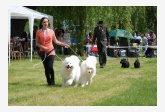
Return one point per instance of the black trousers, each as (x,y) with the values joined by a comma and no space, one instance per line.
(102,51)
(66,51)
(49,71)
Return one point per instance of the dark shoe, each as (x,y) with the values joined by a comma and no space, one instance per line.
(53,84)
(101,66)
(49,84)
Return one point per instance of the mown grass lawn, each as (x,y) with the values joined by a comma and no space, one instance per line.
(112,86)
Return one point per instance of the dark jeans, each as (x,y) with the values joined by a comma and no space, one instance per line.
(60,50)
(49,71)
(102,51)
(66,51)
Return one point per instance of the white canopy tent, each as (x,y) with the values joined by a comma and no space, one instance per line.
(20,12)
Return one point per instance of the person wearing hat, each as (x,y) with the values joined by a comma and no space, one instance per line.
(102,35)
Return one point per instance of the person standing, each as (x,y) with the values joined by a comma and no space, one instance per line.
(145,43)
(61,39)
(152,38)
(138,40)
(90,37)
(102,35)
(66,38)
(44,38)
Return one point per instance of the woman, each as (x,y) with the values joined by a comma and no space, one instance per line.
(44,38)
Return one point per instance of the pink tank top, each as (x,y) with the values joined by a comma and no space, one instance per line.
(46,40)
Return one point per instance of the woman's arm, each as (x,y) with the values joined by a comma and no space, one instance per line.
(58,42)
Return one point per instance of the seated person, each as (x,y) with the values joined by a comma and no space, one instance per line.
(15,43)
(145,43)
(24,41)
(138,40)
(150,51)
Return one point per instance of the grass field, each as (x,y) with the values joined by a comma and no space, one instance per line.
(112,86)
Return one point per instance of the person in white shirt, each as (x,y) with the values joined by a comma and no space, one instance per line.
(66,39)
(145,43)
(60,38)
(138,40)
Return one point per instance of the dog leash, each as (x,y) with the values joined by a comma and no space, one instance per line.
(75,53)
(58,57)
(46,54)
(40,62)
(72,51)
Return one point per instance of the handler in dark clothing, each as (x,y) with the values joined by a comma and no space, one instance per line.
(102,35)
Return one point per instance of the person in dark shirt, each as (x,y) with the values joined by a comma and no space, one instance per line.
(102,35)
(24,40)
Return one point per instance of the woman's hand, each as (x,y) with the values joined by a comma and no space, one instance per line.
(67,46)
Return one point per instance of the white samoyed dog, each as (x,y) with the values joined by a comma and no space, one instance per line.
(88,70)
(70,71)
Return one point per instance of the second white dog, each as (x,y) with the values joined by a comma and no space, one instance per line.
(88,70)
(70,71)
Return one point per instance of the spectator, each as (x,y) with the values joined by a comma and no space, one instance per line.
(66,40)
(90,37)
(35,28)
(85,44)
(88,43)
(24,41)
(60,38)
(138,40)
(15,43)
(152,38)
(145,43)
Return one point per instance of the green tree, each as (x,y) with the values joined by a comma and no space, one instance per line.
(130,18)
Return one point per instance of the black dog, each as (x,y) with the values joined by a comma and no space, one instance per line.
(124,63)
(137,63)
